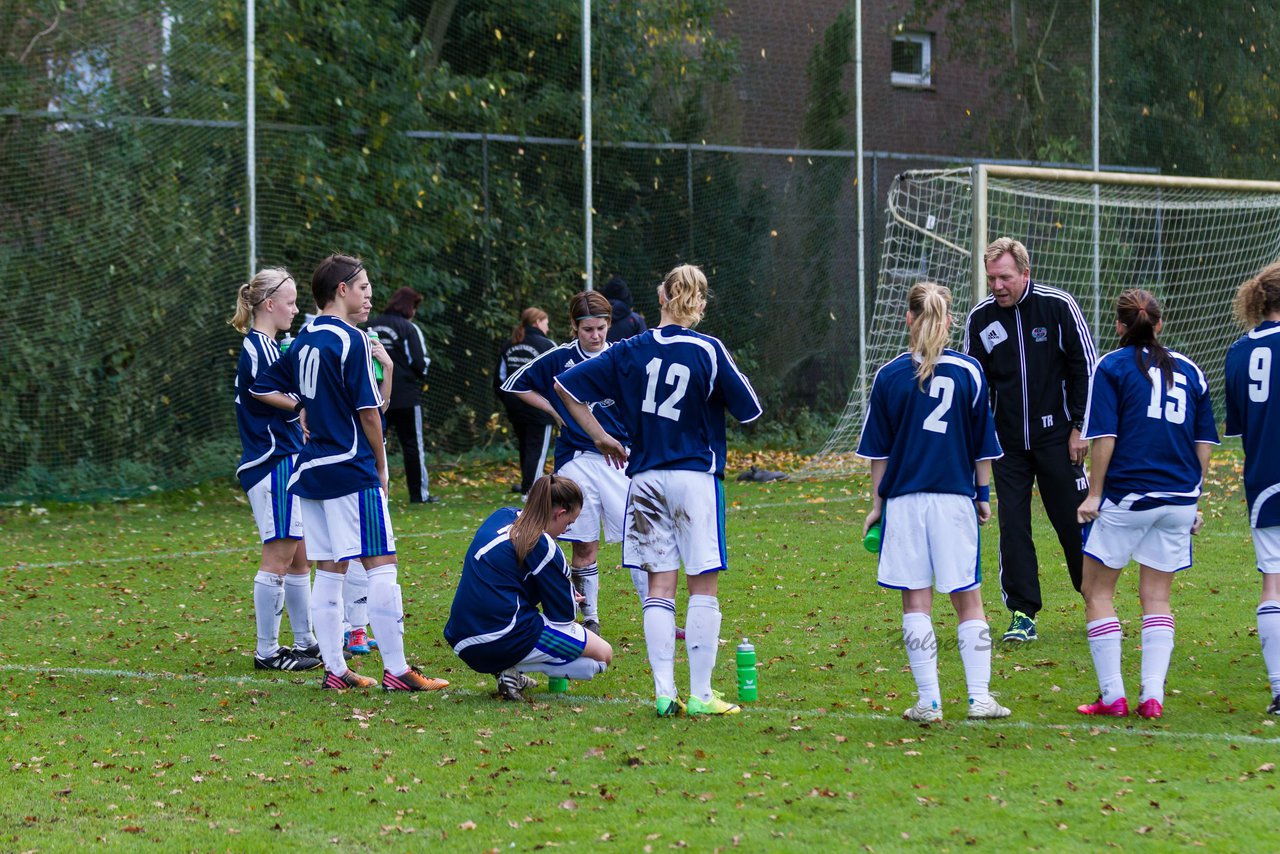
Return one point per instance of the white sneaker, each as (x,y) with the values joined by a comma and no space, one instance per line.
(923,712)
(985,708)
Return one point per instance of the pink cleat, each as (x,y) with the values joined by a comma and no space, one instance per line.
(1118,709)
(1150,708)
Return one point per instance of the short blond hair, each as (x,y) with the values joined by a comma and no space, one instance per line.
(686,291)
(1002,245)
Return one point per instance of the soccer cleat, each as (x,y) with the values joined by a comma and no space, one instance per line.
(1021,628)
(591,624)
(350,679)
(922,712)
(1150,708)
(669,707)
(717,705)
(356,642)
(285,659)
(1274,708)
(511,685)
(313,651)
(412,680)
(986,709)
(1118,709)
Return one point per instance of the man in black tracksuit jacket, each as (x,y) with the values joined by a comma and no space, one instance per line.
(1034,345)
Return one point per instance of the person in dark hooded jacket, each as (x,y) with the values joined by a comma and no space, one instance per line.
(626,320)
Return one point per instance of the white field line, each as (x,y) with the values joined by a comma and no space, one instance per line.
(789,712)
(58,564)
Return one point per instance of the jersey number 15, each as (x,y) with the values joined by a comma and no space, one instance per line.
(1171,402)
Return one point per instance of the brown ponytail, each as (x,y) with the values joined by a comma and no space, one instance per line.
(548,494)
(531,316)
(1139,313)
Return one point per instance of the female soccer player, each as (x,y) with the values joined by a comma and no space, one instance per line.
(341,477)
(1253,372)
(1151,424)
(931,438)
(532,428)
(671,387)
(512,567)
(270,440)
(604,486)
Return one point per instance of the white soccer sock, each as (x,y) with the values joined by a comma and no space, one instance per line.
(1157,647)
(268,601)
(582,668)
(1104,645)
(356,595)
(640,579)
(660,640)
(297,601)
(922,655)
(702,640)
(587,579)
(326,617)
(1269,636)
(974,637)
(386,612)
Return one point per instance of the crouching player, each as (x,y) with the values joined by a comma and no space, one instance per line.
(512,567)
(1151,423)
(341,475)
(930,438)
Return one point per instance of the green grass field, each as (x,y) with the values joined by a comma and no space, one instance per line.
(133,717)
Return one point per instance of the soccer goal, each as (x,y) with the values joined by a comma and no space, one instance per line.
(1190,241)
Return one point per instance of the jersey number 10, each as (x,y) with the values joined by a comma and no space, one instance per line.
(308,371)
(677,380)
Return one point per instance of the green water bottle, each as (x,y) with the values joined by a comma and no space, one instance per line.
(746,672)
(286,343)
(557,684)
(871,542)
(377,366)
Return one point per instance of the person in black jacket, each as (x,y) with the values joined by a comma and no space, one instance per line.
(408,350)
(626,320)
(1034,345)
(532,426)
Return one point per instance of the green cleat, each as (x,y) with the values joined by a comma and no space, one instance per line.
(669,707)
(1021,628)
(717,705)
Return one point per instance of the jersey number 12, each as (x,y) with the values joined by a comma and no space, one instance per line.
(677,380)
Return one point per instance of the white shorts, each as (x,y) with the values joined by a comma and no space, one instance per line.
(350,526)
(604,498)
(1158,537)
(1266,542)
(929,539)
(274,509)
(557,644)
(674,517)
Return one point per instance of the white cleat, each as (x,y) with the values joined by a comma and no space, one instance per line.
(925,713)
(986,708)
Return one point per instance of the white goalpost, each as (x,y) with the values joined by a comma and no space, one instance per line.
(1190,241)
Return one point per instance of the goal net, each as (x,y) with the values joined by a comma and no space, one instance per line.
(1189,241)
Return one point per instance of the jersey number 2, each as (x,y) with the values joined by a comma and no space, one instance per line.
(945,388)
(677,380)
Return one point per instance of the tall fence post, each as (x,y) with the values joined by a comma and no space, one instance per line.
(250,127)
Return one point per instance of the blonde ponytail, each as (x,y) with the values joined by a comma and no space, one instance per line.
(685,288)
(253,293)
(930,307)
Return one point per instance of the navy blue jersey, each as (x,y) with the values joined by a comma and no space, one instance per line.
(266,433)
(494,621)
(671,387)
(330,366)
(1253,413)
(931,436)
(1156,428)
(540,376)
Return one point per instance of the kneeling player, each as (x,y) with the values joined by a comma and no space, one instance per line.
(512,567)
(930,438)
(1151,422)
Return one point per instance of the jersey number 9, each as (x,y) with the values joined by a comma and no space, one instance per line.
(1260,375)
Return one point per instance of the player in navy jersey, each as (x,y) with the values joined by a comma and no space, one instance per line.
(341,475)
(930,437)
(671,387)
(512,568)
(1151,424)
(604,486)
(269,438)
(1253,413)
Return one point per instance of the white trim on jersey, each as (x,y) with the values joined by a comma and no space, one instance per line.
(1256,334)
(495,542)
(973,369)
(692,339)
(349,454)
(271,452)
(491,636)
(1132,498)
(1265,494)
(552,550)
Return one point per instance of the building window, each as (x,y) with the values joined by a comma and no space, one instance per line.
(912,59)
